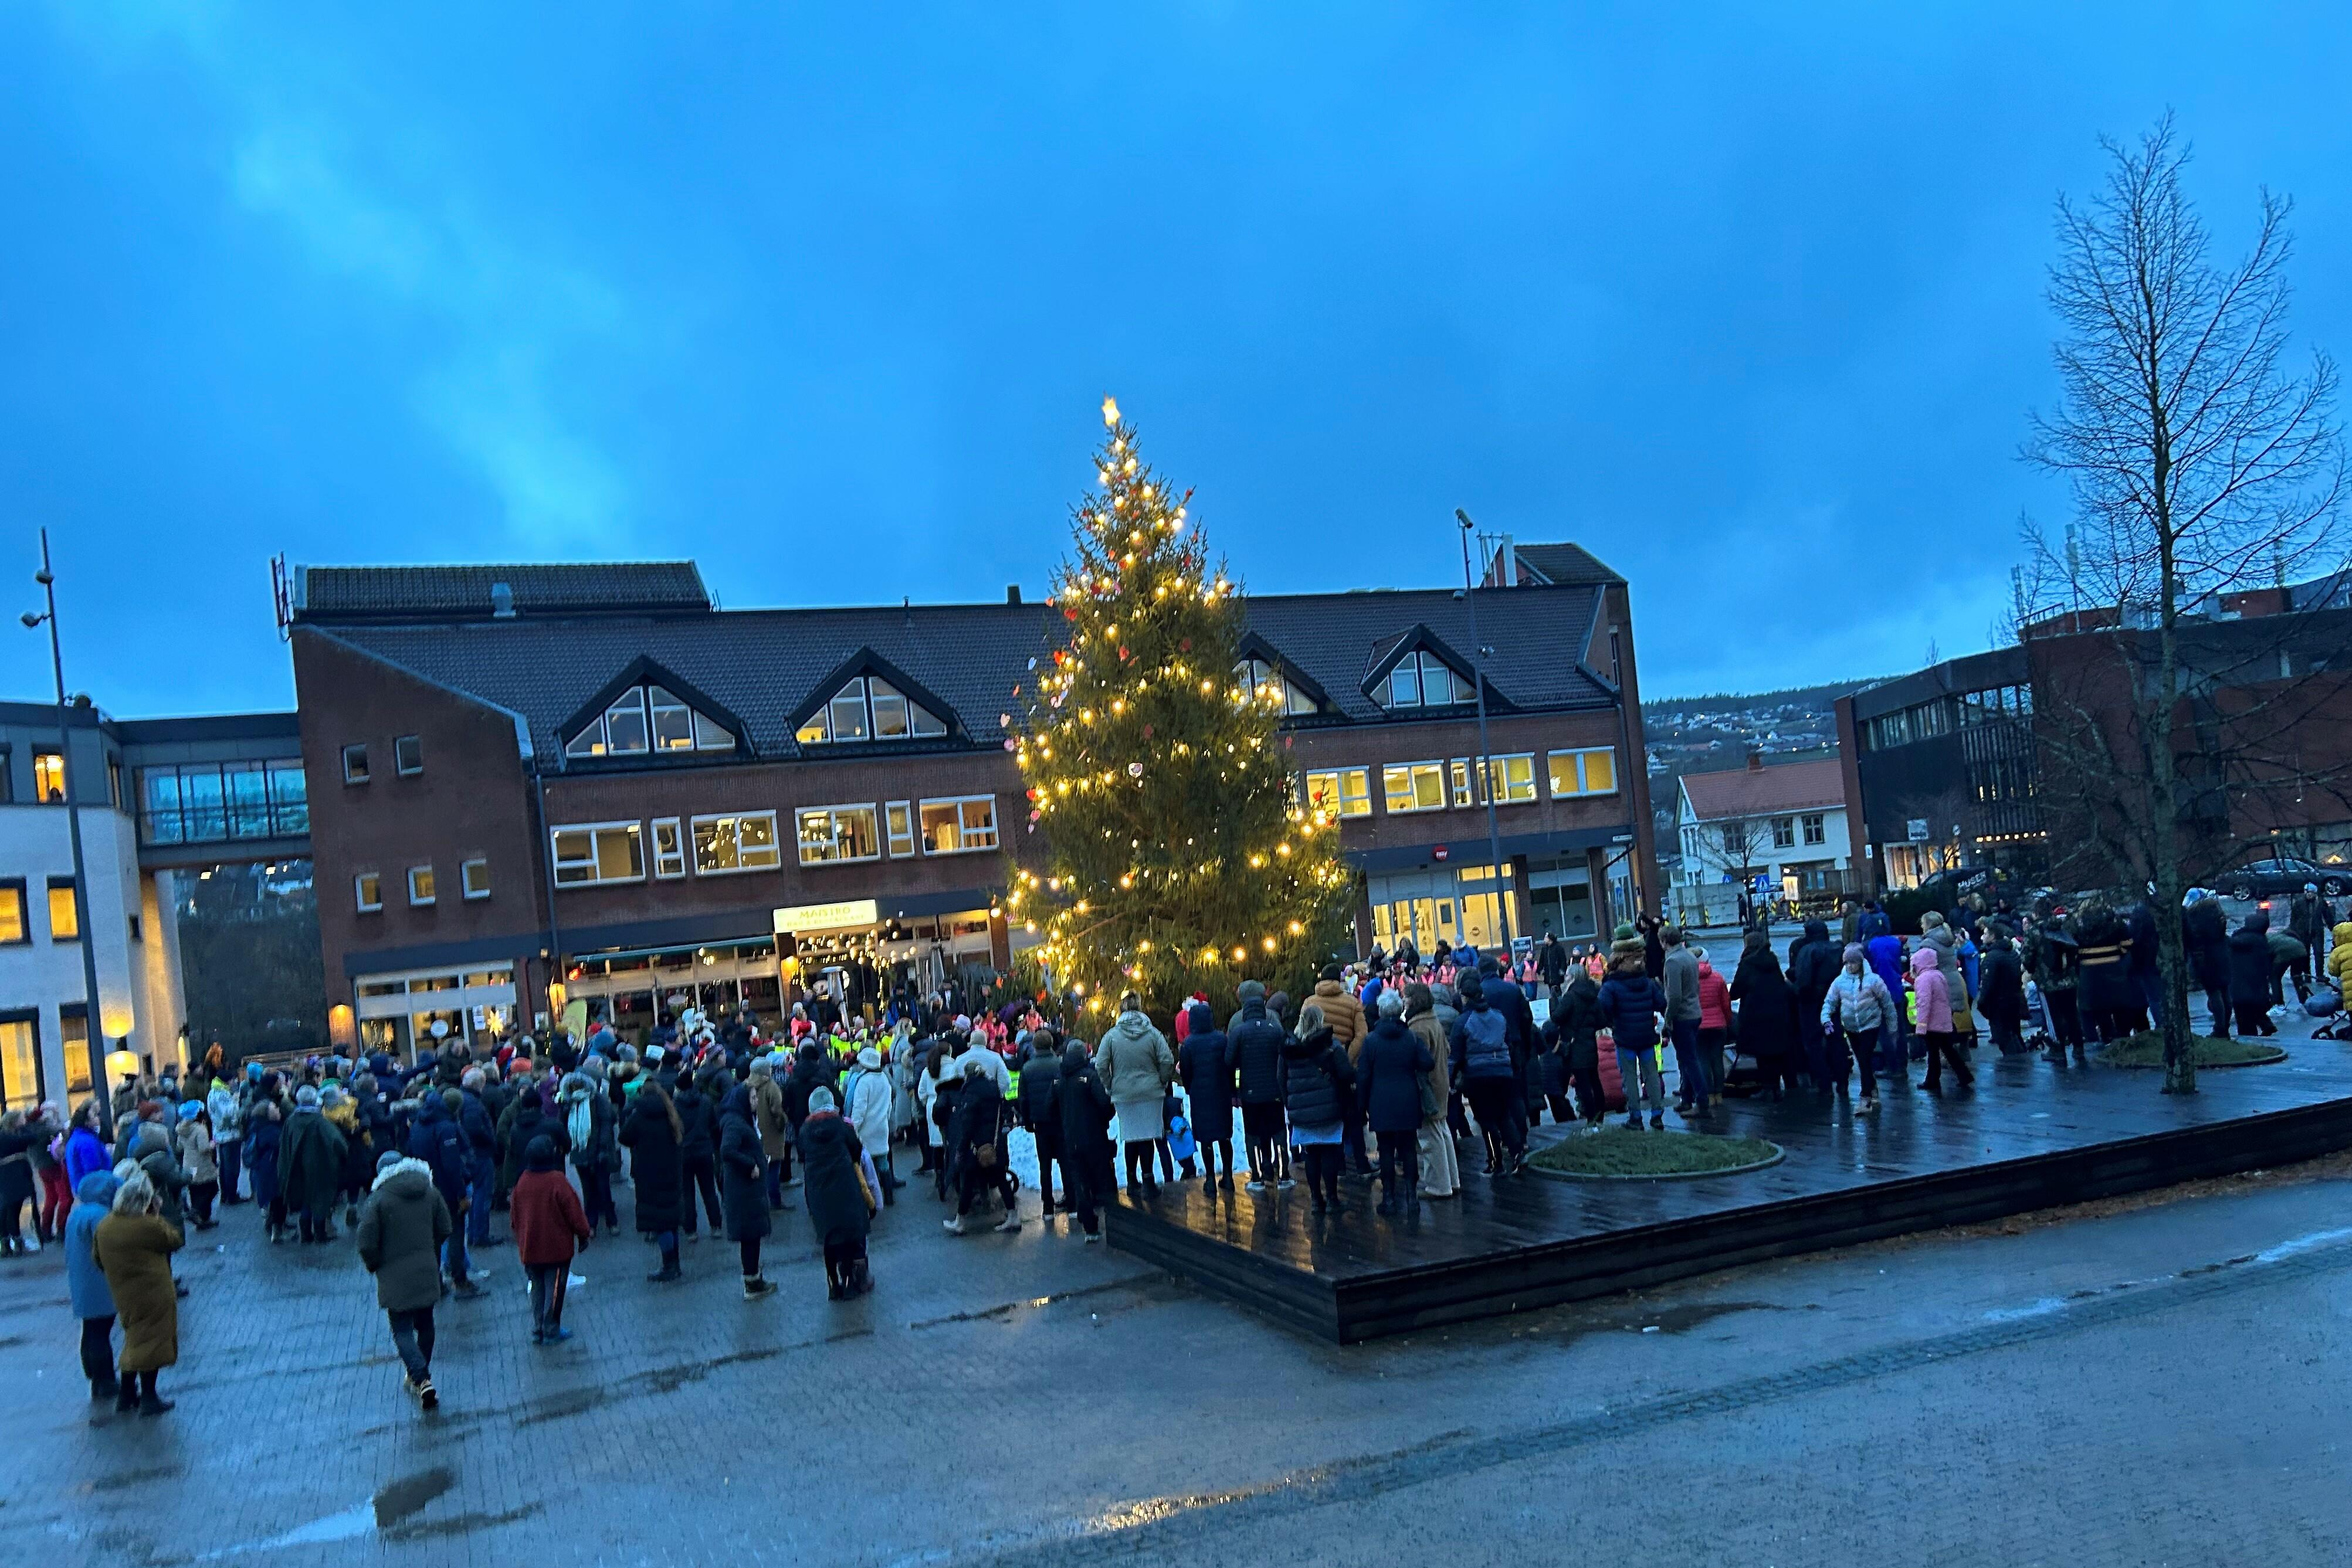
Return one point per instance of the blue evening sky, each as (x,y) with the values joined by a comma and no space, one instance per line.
(1746,298)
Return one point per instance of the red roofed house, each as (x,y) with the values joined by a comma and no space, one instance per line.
(1779,830)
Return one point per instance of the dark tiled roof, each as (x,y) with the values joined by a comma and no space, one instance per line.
(394,592)
(764,665)
(1564,563)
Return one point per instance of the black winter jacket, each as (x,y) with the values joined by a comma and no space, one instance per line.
(1256,1044)
(1319,1082)
(699,1149)
(1390,1064)
(1205,1064)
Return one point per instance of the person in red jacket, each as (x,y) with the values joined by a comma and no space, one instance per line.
(1714,1018)
(550,1227)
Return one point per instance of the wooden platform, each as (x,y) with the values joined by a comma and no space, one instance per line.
(2027,1136)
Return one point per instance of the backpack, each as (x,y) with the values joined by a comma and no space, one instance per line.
(1485,1044)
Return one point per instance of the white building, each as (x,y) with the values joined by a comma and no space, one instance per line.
(1778,830)
(209,791)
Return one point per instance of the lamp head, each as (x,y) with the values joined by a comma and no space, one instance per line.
(43,577)
(1463,518)
(29,619)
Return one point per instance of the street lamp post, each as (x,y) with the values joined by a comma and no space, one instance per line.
(93,1027)
(1478,651)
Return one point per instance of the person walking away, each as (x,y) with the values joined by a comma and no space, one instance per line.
(2250,974)
(1856,1012)
(591,1129)
(1205,1063)
(437,1142)
(550,1227)
(478,1123)
(133,1247)
(1714,1012)
(1033,1097)
(1813,964)
(1767,1021)
(1887,962)
(1632,1003)
(838,1193)
(654,1132)
(976,1151)
(1680,980)
(1935,1021)
(1318,1082)
(265,1132)
(775,1127)
(228,1137)
(865,1101)
(199,1159)
(1440,1162)
(310,1166)
(2001,999)
(405,1228)
(1391,1064)
(1136,1064)
(86,1290)
(1479,1058)
(1256,1042)
(2205,930)
(1081,1106)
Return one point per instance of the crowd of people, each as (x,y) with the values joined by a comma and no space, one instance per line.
(1391,1070)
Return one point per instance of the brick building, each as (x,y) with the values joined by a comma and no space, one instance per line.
(589,774)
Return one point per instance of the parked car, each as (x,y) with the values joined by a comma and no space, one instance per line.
(2282,874)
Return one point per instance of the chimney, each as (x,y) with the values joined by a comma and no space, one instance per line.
(501,602)
(1755,761)
(1508,560)
(1012,593)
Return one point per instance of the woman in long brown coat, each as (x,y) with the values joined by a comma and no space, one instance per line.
(134,1246)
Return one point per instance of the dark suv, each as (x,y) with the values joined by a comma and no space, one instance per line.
(2263,878)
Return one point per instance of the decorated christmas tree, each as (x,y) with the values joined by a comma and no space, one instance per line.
(1181,859)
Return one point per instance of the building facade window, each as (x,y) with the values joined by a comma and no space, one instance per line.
(1465,786)
(367,892)
(669,848)
(1816,829)
(1422,679)
(408,755)
(898,818)
(649,719)
(474,878)
(832,835)
(1591,771)
(1264,683)
(1784,832)
(15,927)
(208,803)
(1413,787)
(48,776)
(1340,791)
(958,826)
(1512,779)
(869,708)
(22,1082)
(420,885)
(592,854)
(744,841)
(65,919)
(114,782)
(355,764)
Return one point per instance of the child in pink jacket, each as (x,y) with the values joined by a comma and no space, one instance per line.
(1933,999)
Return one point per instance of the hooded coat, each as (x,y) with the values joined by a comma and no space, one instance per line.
(2206,931)
(2001,994)
(1041,1078)
(1205,1063)
(831,1156)
(1134,1060)
(134,1251)
(310,1160)
(2250,959)
(401,1228)
(1934,1015)
(656,1172)
(1768,1007)
(1318,1080)
(1342,1014)
(1390,1062)
(1081,1106)
(1256,1043)
(698,1147)
(742,1168)
(85,1281)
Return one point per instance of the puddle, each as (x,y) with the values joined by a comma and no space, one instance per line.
(459,1524)
(1004,1311)
(400,1501)
(409,1494)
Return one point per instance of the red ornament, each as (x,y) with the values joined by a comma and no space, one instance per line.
(1122,652)
(1287,740)
(1147,732)
(1186,644)
(1069,615)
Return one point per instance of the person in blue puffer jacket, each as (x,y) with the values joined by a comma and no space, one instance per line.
(1632,1003)
(86,1285)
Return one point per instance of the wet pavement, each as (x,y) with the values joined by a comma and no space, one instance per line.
(2160,1385)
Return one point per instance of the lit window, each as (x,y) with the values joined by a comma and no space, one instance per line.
(1593,772)
(355,765)
(1264,683)
(733,843)
(1512,779)
(649,718)
(65,920)
(899,816)
(869,708)
(1413,787)
(408,754)
(474,876)
(1464,794)
(420,884)
(1424,680)
(830,834)
(958,827)
(1340,791)
(1816,830)
(48,776)
(20,1066)
(367,890)
(13,928)
(599,852)
(669,848)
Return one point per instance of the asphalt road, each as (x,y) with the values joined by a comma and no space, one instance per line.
(2164,1384)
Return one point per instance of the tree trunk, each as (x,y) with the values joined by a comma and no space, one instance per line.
(2179,1066)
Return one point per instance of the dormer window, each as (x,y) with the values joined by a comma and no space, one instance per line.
(647,719)
(869,708)
(1262,679)
(1420,679)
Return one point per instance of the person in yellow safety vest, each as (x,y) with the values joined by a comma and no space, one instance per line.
(2339,957)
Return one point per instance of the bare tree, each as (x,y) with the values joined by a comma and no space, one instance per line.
(2200,464)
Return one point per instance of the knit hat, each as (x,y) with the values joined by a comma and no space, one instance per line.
(386,1160)
(1624,930)
(541,1154)
(821,1098)
(870,1059)
(188,1110)
(1251,991)
(1854,953)
(452,1101)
